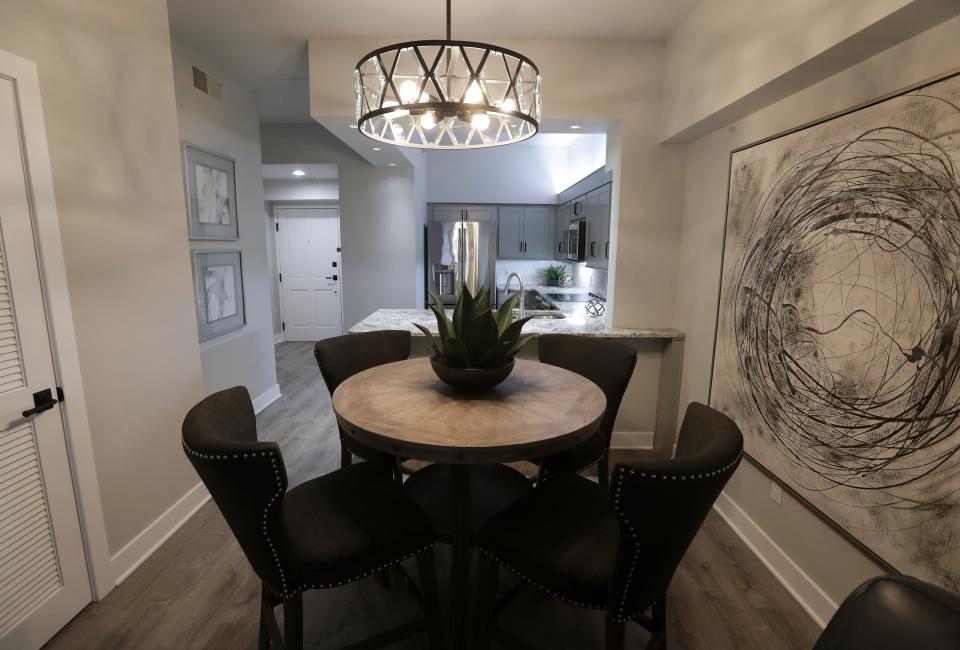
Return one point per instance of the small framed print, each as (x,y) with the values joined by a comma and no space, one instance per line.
(218,281)
(211,194)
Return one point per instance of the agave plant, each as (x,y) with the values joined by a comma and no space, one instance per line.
(476,336)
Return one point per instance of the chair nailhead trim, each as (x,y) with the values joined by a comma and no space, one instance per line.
(287,591)
(622,473)
(266,510)
(539,586)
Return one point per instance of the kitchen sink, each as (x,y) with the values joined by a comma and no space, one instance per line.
(551,314)
(532,302)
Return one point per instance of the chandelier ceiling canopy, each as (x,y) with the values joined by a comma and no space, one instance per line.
(447,94)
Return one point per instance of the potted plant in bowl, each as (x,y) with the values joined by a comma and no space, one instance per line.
(556,275)
(475,348)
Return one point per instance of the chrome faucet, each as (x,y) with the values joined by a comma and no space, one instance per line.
(506,290)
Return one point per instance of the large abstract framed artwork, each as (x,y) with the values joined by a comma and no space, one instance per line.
(837,348)
(211,194)
(218,278)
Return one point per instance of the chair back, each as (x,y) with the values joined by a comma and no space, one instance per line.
(341,357)
(894,612)
(246,478)
(606,363)
(661,503)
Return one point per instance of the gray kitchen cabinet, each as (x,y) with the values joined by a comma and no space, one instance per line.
(525,232)
(510,233)
(598,227)
(561,223)
(452,212)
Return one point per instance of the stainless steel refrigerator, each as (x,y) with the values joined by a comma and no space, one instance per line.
(460,252)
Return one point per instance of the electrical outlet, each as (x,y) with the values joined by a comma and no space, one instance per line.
(776,492)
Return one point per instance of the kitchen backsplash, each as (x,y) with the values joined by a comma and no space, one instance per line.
(529,270)
(593,280)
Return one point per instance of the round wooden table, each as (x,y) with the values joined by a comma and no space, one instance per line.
(403,409)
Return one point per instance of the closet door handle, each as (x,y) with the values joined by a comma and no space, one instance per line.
(606,251)
(42,401)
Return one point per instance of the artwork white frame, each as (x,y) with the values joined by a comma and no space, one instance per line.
(211,191)
(218,283)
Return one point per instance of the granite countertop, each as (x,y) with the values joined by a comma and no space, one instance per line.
(574,323)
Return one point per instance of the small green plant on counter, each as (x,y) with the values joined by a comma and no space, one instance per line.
(476,336)
(555,274)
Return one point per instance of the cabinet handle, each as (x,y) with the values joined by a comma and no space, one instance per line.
(559,247)
(593,249)
(606,251)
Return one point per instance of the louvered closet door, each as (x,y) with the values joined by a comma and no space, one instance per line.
(43,576)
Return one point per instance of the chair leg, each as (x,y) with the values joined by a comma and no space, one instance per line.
(658,614)
(486,601)
(616,634)
(266,608)
(603,470)
(427,569)
(293,622)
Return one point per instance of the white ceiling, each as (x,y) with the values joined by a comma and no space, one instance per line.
(257,40)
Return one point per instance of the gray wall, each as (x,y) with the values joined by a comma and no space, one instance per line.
(107,88)
(230,126)
(378,218)
(832,563)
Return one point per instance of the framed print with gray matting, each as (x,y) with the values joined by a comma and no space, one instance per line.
(211,194)
(218,281)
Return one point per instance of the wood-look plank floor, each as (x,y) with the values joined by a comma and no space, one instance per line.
(197,590)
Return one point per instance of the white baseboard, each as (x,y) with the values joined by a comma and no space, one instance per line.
(632,440)
(801,586)
(266,398)
(278,338)
(131,556)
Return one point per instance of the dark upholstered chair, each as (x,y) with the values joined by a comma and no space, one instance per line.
(609,365)
(341,357)
(616,549)
(327,532)
(892,613)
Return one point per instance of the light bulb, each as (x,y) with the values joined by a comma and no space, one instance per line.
(474,94)
(427,120)
(393,114)
(509,105)
(408,92)
(480,121)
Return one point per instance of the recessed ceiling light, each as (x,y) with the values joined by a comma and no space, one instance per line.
(374,148)
(393,164)
(353,126)
(298,172)
(576,126)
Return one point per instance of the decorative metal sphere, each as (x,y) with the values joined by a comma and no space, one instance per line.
(446,94)
(596,308)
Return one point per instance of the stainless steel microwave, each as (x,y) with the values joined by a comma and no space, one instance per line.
(577,241)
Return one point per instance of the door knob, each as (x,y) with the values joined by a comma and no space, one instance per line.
(43,400)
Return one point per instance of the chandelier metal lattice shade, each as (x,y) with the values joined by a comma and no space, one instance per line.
(446,94)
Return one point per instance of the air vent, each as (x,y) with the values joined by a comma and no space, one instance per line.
(205,83)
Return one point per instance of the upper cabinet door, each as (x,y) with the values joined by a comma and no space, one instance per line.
(447,213)
(510,233)
(598,227)
(537,233)
(561,223)
(480,213)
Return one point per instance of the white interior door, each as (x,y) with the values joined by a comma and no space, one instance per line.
(310,274)
(43,574)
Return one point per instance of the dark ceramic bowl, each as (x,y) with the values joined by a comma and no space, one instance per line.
(469,379)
